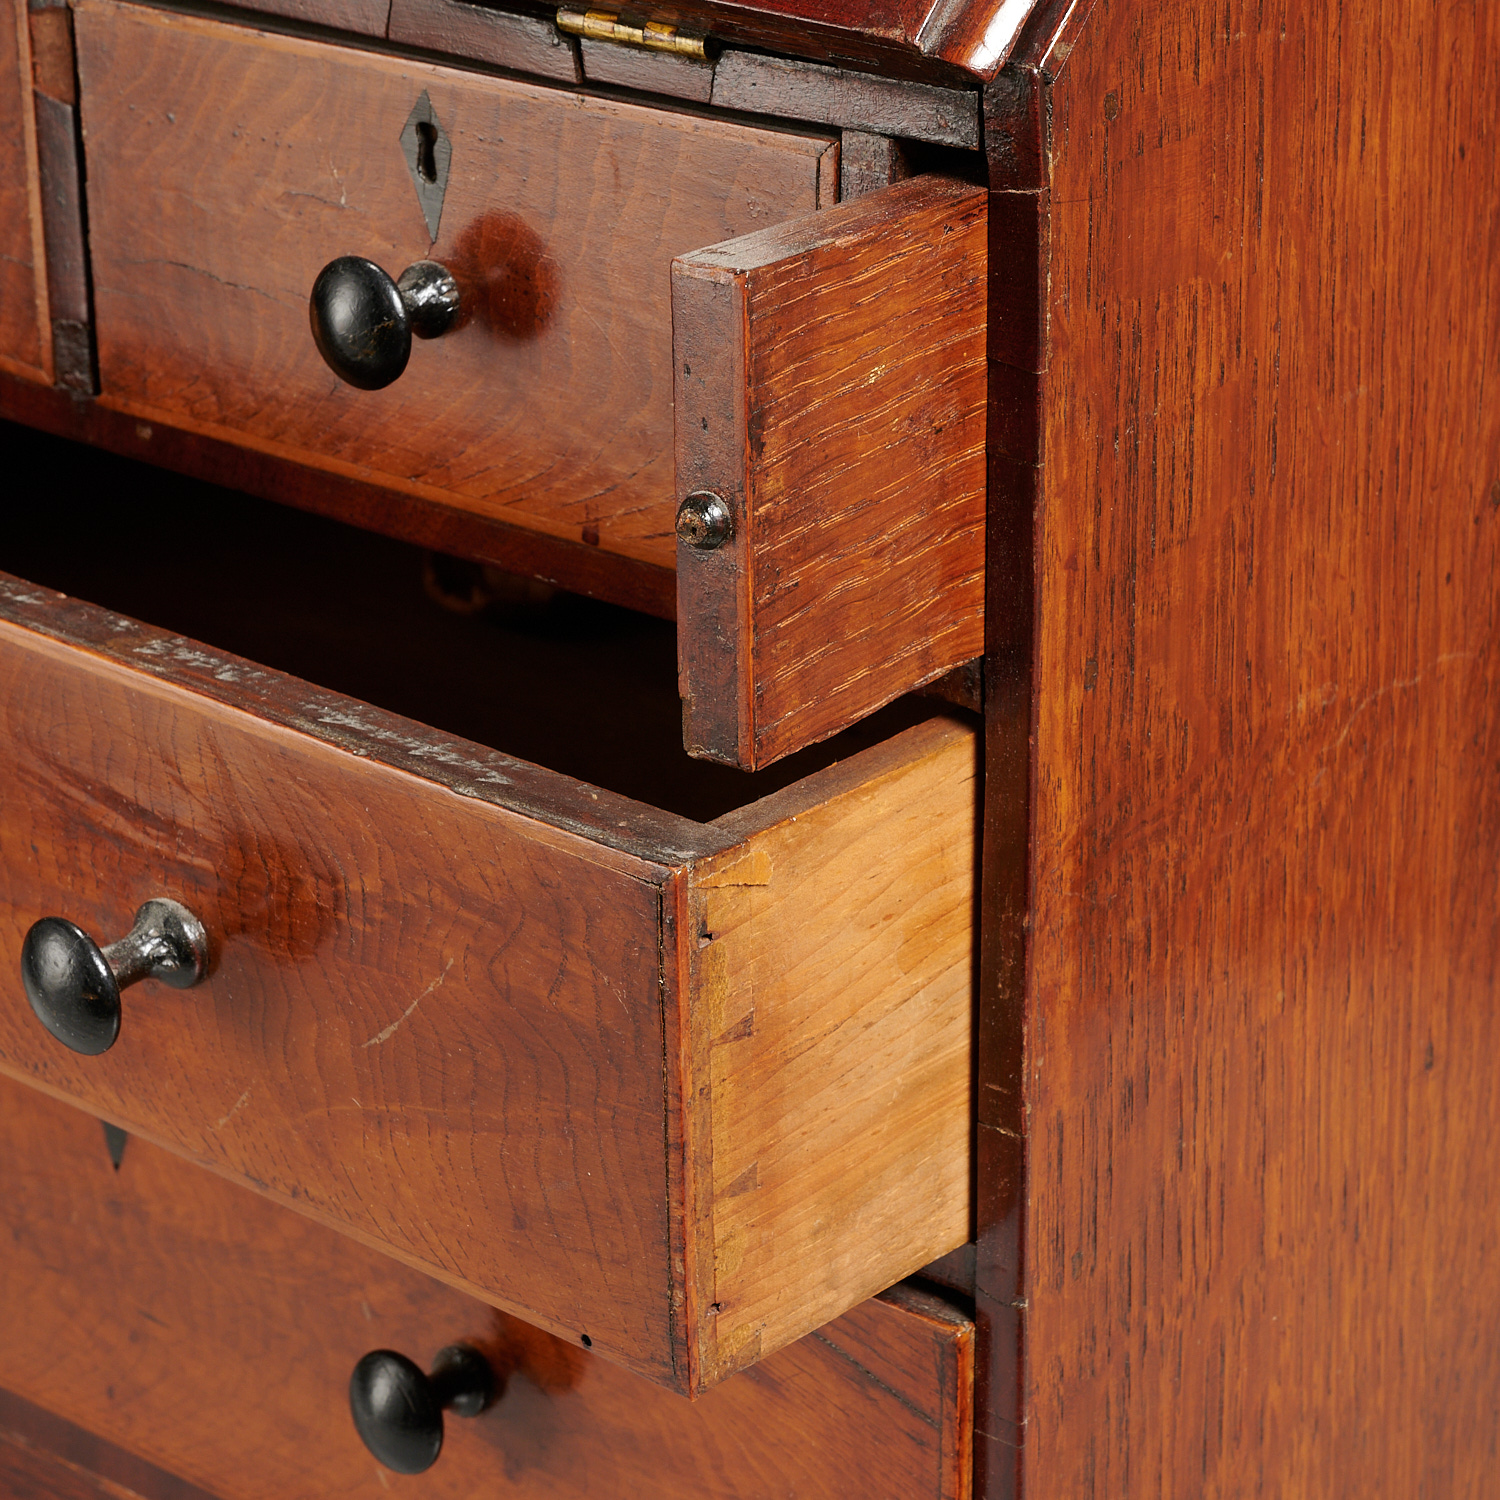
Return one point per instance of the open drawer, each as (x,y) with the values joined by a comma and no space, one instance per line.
(829,365)
(681,1091)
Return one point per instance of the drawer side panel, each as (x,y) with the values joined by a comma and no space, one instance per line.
(834,955)
(859,536)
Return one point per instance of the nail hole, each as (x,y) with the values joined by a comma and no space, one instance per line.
(586,1341)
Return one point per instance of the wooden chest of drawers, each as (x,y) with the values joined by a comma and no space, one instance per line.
(679,1092)
(1144,353)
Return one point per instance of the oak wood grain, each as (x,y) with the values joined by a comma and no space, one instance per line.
(846,434)
(629,67)
(1016,147)
(526,43)
(363,17)
(446,984)
(551,409)
(28,1473)
(60,178)
(1016,151)
(213,1333)
(47,1450)
(52,67)
(868,163)
(25,348)
(912,1362)
(1263,1255)
(431,1021)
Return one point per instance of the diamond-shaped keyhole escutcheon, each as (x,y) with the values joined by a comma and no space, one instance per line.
(428,152)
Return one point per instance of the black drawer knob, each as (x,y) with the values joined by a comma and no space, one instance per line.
(399,1410)
(362,321)
(74,985)
(704,521)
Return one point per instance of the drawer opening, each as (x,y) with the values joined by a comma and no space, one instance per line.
(582,687)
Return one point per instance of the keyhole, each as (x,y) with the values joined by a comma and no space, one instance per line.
(427,150)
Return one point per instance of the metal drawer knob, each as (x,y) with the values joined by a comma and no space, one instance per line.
(74,985)
(362,321)
(704,521)
(399,1410)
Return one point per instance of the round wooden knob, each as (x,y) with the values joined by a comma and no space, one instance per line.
(74,985)
(399,1411)
(363,322)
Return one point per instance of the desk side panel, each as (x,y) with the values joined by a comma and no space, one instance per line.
(1264,1200)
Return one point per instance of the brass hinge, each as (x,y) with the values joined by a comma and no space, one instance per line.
(632,31)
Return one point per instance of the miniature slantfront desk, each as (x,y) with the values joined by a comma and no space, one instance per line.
(749,750)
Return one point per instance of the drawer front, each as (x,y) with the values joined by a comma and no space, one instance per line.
(213,1333)
(226,167)
(24,350)
(685,1090)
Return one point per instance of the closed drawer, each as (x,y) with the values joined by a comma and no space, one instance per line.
(227,166)
(829,362)
(682,1091)
(213,1333)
